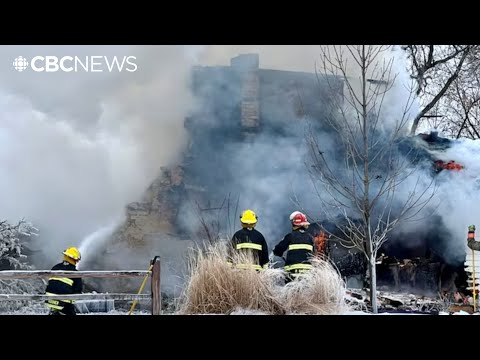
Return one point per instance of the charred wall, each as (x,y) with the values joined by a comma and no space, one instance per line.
(247,138)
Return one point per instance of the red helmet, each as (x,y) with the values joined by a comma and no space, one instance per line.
(300,220)
(292,215)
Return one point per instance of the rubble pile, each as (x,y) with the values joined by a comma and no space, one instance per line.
(390,302)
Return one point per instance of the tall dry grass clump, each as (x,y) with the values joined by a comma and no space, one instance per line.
(215,287)
(320,291)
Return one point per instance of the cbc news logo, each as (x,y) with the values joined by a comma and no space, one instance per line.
(20,63)
(76,64)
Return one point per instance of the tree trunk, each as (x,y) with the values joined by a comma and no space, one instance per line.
(366,184)
(373,283)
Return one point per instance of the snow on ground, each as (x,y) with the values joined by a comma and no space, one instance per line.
(40,309)
(389,302)
(27,311)
(247,312)
(461,312)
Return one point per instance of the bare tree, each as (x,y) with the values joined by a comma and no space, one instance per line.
(461,105)
(436,68)
(364,188)
(212,219)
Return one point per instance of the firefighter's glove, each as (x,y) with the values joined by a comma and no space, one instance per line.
(471,228)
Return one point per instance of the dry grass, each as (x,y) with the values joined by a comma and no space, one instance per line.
(319,291)
(214,287)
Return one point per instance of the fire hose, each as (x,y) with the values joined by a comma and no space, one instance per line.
(143,284)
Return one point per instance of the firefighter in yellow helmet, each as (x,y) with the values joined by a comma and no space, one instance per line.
(63,285)
(250,241)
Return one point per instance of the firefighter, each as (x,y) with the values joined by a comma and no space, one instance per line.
(250,242)
(320,237)
(64,285)
(472,244)
(300,248)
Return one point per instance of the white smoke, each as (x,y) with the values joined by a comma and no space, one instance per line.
(77,147)
(400,103)
(277,57)
(274,188)
(458,191)
(267,194)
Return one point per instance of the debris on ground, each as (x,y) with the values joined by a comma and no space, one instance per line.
(393,302)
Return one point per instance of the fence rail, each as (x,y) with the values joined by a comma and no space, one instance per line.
(153,273)
(102,296)
(26,274)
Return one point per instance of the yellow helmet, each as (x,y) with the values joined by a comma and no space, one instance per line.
(73,253)
(248,217)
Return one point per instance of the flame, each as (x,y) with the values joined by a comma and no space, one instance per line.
(320,242)
(451,165)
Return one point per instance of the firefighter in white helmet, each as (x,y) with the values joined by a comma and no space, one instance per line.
(63,285)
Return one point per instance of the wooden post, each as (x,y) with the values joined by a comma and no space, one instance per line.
(474,284)
(156,293)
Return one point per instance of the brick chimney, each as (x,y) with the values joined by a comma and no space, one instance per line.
(247,66)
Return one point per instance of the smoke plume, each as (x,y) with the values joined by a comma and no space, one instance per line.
(78,146)
(270,174)
(458,195)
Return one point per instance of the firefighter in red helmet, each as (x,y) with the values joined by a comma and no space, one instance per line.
(299,245)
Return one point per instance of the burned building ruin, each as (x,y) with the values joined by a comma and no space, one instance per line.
(245,151)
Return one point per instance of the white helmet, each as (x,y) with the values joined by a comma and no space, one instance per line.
(292,215)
